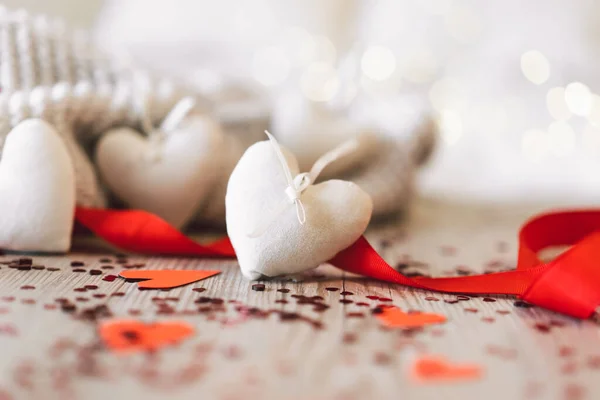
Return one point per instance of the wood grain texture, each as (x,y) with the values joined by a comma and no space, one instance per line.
(254,346)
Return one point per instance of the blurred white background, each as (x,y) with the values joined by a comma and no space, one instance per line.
(514,85)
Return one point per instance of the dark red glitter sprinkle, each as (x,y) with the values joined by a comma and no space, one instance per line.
(362,304)
(346,293)
(28,287)
(382,358)
(118,294)
(522,304)
(489,300)
(51,269)
(355,315)
(95,272)
(258,287)
(79,270)
(109,278)
(199,290)
(542,327)
(332,289)
(385,299)
(346,301)
(431,298)
(99,295)
(77,263)
(373,297)
(283,290)
(349,338)
(91,287)
(107,267)
(472,310)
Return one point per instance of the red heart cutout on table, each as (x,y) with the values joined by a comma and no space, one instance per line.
(126,336)
(166,278)
(435,369)
(394,317)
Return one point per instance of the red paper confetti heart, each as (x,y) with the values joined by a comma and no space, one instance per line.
(430,369)
(166,278)
(396,318)
(126,336)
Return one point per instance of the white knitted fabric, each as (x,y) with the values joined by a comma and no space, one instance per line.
(55,74)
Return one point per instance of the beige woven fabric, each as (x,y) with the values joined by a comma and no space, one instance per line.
(50,72)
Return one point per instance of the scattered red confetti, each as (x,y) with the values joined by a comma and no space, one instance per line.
(574,392)
(502,352)
(165,278)
(471,310)
(431,369)
(431,298)
(566,351)
(396,318)
(569,368)
(27,287)
(125,336)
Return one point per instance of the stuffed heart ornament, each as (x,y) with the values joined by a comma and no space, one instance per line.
(37,186)
(279,223)
(169,174)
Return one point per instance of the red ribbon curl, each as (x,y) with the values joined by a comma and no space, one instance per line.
(569,284)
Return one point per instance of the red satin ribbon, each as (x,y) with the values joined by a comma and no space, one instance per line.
(569,284)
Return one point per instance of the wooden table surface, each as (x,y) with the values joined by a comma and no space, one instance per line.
(51,350)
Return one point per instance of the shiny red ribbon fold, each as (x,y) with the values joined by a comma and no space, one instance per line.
(569,284)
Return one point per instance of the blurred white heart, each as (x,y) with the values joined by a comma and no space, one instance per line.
(37,183)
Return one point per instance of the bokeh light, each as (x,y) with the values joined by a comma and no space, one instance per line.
(557,106)
(319,82)
(378,63)
(535,67)
(451,126)
(578,98)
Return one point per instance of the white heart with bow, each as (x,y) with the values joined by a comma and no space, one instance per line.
(37,186)
(169,174)
(280,223)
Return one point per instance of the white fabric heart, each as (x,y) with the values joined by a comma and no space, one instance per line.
(279,223)
(37,186)
(170,176)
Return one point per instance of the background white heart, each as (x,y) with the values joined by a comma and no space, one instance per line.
(170,178)
(337,213)
(37,190)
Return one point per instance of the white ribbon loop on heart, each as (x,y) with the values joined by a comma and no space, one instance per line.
(298,184)
(173,119)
